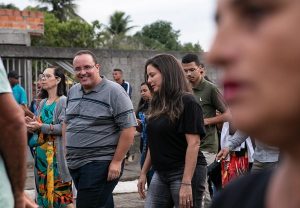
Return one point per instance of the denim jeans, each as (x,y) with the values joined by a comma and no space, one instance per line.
(93,189)
(209,157)
(165,186)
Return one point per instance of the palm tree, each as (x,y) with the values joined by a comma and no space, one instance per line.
(118,24)
(62,9)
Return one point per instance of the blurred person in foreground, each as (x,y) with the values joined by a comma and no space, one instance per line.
(257,46)
(12,149)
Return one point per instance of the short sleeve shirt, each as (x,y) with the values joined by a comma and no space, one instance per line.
(167,141)
(19,94)
(210,99)
(6,196)
(94,122)
(4,84)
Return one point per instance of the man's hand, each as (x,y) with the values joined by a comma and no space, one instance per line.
(114,170)
(223,154)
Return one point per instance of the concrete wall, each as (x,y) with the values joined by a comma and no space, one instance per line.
(132,62)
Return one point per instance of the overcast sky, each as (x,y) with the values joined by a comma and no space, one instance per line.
(194,18)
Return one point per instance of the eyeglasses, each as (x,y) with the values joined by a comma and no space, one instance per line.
(85,68)
(46,76)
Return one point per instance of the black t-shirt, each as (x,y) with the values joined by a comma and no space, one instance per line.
(167,141)
(245,192)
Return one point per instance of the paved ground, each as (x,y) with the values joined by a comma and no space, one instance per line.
(129,200)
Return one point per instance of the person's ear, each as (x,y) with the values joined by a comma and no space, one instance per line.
(58,79)
(98,66)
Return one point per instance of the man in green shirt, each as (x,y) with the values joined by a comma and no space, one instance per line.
(211,101)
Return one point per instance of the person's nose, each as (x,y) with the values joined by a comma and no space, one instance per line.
(226,47)
(82,72)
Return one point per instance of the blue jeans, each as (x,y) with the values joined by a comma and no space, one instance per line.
(93,189)
(164,189)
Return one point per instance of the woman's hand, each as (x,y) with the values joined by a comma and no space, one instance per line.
(29,120)
(33,126)
(141,185)
(185,196)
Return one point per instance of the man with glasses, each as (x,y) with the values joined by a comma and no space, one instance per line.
(99,130)
(211,101)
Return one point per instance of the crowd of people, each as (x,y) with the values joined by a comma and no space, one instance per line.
(189,129)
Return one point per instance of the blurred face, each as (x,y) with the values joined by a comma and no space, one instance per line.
(145,92)
(154,78)
(117,75)
(48,80)
(87,71)
(13,81)
(193,72)
(257,46)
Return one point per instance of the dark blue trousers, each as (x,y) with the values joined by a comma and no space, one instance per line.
(93,189)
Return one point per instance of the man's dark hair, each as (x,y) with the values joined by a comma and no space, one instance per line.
(119,70)
(81,52)
(190,57)
(13,74)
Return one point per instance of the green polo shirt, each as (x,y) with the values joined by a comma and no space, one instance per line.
(210,99)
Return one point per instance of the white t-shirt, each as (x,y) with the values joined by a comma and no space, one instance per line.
(6,194)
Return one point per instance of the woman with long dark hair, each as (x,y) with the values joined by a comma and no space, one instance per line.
(53,181)
(141,115)
(175,127)
(257,46)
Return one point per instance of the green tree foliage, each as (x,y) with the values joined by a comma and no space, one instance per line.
(190,47)
(62,9)
(159,35)
(116,31)
(37,8)
(119,23)
(8,6)
(72,33)
(76,33)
